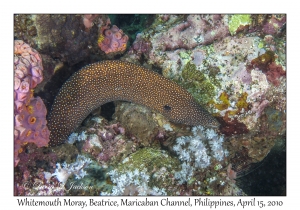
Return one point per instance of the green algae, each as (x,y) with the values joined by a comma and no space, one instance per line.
(202,86)
(148,158)
(237,21)
(261,44)
(185,57)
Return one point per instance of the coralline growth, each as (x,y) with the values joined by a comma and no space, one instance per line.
(240,78)
(196,30)
(202,87)
(106,143)
(112,39)
(266,63)
(30,113)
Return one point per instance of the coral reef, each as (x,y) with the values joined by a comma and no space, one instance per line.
(30,113)
(274,24)
(202,87)
(140,48)
(266,63)
(28,71)
(243,90)
(112,39)
(106,143)
(40,185)
(233,65)
(196,30)
(258,25)
(29,171)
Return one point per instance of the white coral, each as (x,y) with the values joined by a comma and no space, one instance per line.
(77,168)
(181,140)
(72,138)
(210,133)
(131,183)
(194,151)
(82,136)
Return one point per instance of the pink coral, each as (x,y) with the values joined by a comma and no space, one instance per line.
(30,113)
(112,39)
(38,183)
(88,20)
(108,143)
(113,144)
(242,75)
(275,71)
(112,148)
(259,107)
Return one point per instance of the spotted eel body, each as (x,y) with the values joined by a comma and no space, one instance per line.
(106,81)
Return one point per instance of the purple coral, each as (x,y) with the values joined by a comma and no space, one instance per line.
(259,106)
(268,24)
(140,45)
(30,113)
(274,24)
(112,39)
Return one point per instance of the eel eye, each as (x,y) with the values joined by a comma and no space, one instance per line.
(167,108)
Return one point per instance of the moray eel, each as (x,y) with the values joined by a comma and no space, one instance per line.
(106,81)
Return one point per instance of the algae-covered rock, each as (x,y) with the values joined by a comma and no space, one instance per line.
(202,86)
(138,120)
(158,164)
